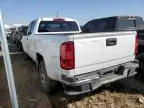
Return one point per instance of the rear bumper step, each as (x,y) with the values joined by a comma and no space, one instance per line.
(87,83)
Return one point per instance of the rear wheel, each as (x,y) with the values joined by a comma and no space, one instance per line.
(140,75)
(46,82)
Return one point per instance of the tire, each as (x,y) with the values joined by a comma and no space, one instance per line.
(46,82)
(140,70)
(20,47)
(140,74)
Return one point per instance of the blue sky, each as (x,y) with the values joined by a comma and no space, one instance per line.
(23,11)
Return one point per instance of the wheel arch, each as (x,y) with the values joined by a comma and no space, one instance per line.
(39,58)
(50,74)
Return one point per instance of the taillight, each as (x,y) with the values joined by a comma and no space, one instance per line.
(58,19)
(67,57)
(136,45)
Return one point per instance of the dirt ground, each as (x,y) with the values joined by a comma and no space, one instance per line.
(31,95)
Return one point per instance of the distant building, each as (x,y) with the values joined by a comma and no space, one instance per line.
(17,25)
(7,26)
(7,29)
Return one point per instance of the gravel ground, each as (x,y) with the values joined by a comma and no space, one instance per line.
(31,95)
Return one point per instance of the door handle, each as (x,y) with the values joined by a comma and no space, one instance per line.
(111,41)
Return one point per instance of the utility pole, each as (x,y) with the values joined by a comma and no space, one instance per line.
(8,66)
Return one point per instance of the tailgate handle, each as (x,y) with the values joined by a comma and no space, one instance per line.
(111,41)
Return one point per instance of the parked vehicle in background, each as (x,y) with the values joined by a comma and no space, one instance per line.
(82,62)
(120,23)
(12,35)
(19,36)
(116,23)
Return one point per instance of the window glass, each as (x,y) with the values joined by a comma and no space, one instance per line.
(139,23)
(57,26)
(31,27)
(125,24)
(104,25)
(100,25)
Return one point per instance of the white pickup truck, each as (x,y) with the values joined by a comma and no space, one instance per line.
(82,62)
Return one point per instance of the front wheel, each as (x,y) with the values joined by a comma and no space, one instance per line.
(20,47)
(46,82)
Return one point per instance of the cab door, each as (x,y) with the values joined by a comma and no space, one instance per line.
(29,40)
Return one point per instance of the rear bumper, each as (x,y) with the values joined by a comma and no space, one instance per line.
(93,80)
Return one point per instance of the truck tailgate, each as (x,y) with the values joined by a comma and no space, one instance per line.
(96,51)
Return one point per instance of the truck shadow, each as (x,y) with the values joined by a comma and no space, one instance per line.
(114,90)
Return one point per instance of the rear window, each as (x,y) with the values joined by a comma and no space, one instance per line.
(100,25)
(125,24)
(105,25)
(57,26)
(139,23)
